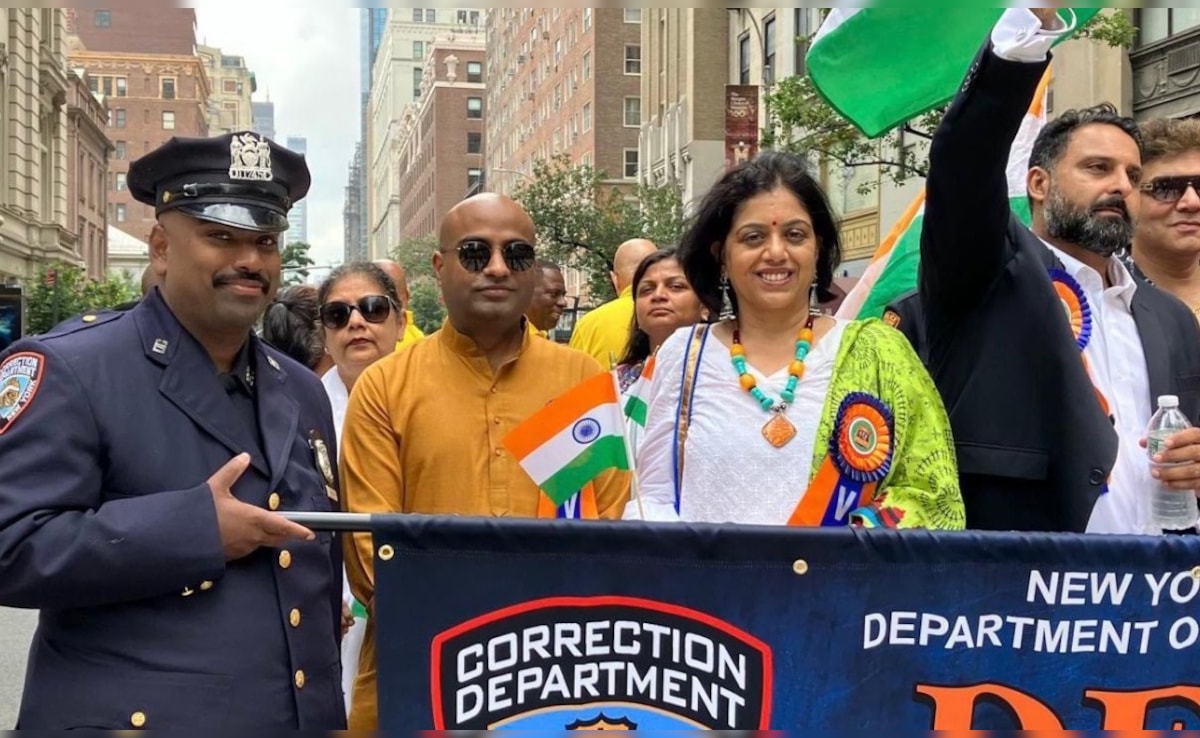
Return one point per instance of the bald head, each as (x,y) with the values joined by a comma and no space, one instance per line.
(396,272)
(479,209)
(626,260)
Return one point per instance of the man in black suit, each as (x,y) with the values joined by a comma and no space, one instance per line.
(1048,418)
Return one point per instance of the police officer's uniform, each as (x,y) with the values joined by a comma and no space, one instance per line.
(110,427)
(905,315)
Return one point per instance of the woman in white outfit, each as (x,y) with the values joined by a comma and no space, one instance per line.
(362,319)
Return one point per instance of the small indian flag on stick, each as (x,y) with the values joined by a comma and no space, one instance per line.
(573,440)
(637,404)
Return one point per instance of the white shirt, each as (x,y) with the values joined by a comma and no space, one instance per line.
(1118,369)
(731,473)
(339,397)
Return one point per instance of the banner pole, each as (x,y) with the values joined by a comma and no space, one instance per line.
(331,522)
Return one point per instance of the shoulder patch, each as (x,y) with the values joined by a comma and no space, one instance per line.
(892,318)
(20,378)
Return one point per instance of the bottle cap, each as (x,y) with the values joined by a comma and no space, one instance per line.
(1168,401)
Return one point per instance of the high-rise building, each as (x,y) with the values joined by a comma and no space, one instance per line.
(352,215)
(34,140)
(297,231)
(262,118)
(396,80)
(142,60)
(88,149)
(229,106)
(565,80)
(441,136)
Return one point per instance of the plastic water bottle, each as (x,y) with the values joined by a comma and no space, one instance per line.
(1170,509)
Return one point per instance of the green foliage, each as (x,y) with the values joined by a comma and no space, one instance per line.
(415,255)
(581,217)
(426,304)
(294,260)
(800,121)
(70,294)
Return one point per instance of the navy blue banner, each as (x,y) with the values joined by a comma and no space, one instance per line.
(487,624)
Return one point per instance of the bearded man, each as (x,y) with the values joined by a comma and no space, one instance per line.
(1048,353)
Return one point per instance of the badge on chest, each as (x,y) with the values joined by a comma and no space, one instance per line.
(324,464)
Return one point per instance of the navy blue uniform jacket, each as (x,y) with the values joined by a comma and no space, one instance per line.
(107,525)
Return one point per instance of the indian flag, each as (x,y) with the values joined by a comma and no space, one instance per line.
(880,67)
(573,439)
(638,395)
(893,268)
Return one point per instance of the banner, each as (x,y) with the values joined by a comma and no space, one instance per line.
(488,624)
(741,124)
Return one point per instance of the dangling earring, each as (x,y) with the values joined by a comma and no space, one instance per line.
(726,303)
(814,302)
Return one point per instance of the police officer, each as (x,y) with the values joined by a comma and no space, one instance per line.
(145,456)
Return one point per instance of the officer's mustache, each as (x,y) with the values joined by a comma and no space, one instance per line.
(1112,203)
(223,279)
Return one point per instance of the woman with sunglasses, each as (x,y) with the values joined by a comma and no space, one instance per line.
(362,320)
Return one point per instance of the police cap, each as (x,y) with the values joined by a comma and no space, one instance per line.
(241,179)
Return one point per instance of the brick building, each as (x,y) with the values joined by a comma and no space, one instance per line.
(441,135)
(88,149)
(564,80)
(144,64)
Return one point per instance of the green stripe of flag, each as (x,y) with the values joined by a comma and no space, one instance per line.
(636,410)
(606,453)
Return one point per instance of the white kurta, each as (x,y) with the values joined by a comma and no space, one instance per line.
(731,473)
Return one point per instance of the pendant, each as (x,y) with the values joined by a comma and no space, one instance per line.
(779,431)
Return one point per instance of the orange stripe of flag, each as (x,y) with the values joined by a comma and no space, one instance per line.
(561,414)
(902,225)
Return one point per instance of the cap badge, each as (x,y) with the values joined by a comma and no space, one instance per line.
(250,158)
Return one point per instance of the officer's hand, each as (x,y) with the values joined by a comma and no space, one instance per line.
(246,528)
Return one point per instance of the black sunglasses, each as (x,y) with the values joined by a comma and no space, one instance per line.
(476,255)
(373,308)
(1171,189)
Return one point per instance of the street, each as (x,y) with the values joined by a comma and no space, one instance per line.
(16,628)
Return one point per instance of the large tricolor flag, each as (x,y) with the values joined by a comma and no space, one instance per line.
(893,269)
(578,436)
(882,66)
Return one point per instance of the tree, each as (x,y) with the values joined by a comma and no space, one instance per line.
(426,304)
(295,259)
(800,121)
(59,291)
(581,216)
(415,255)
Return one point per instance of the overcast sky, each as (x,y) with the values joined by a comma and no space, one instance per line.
(306,60)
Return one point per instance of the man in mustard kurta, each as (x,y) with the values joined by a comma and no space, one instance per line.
(604,332)
(412,333)
(424,427)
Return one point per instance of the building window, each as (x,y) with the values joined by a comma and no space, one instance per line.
(475,72)
(587,116)
(119,212)
(116,118)
(1156,24)
(633,112)
(119,150)
(631,163)
(103,19)
(430,15)
(769,51)
(633,59)
(474,142)
(474,179)
(744,59)
(168,120)
(587,66)
(122,86)
(802,34)
(229,85)
(120,181)
(475,107)
(468,18)
(418,14)
(418,78)
(587,19)
(633,15)
(419,50)
(167,86)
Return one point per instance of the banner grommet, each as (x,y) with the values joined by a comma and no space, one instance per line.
(386,553)
(801,567)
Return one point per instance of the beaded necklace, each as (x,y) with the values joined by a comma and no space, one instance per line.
(778,431)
